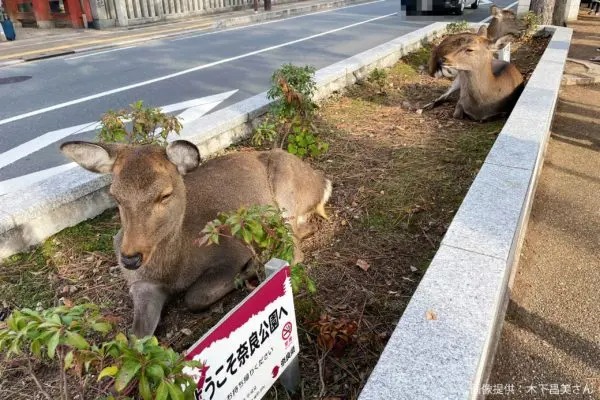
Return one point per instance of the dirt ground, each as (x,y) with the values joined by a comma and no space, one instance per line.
(399,177)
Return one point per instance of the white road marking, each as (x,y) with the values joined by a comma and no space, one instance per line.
(99,52)
(505,8)
(237,28)
(199,106)
(186,71)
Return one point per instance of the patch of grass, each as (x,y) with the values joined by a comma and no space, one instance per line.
(32,278)
(418,57)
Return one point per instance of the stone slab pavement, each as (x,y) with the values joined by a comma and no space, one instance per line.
(550,342)
(34,44)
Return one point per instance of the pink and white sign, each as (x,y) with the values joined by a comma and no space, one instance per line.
(245,353)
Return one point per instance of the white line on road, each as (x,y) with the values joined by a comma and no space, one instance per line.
(200,107)
(505,8)
(186,71)
(237,28)
(100,52)
(20,182)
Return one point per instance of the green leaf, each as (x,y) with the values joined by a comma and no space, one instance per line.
(36,348)
(126,374)
(144,388)
(155,372)
(102,327)
(175,392)
(52,343)
(162,392)
(108,371)
(69,360)
(121,338)
(76,340)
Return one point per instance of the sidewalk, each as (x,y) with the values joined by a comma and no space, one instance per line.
(33,44)
(550,343)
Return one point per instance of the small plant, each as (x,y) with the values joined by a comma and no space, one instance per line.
(138,125)
(58,332)
(378,77)
(457,27)
(303,143)
(265,232)
(532,22)
(265,133)
(155,370)
(292,89)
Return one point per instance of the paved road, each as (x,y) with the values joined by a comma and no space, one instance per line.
(230,65)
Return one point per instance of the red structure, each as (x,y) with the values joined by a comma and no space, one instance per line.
(49,13)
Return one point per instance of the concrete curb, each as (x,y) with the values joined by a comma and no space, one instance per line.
(32,215)
(218,23)
(465,290)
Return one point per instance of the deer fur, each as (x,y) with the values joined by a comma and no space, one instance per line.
(503,23)
(488,87)
(165,199)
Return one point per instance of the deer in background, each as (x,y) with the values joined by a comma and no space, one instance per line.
(503,23)
(165,198)
(488,87)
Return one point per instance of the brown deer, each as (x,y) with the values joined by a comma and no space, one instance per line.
(488,87)
(503,23)
(165,198)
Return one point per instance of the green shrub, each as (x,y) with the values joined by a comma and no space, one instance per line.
(457,27)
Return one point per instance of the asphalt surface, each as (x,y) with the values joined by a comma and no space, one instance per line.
(550,343)
(58,93)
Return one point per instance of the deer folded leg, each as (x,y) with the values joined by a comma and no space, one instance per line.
(455,87)
(148,301)
(207,290)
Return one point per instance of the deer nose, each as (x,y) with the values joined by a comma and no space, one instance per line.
(131,261)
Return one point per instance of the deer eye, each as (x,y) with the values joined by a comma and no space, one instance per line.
(470,50)
(164,197)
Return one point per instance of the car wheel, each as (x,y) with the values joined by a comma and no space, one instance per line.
(461,9)
(475,5)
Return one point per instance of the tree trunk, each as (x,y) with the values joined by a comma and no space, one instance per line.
(545,9)
(560,11)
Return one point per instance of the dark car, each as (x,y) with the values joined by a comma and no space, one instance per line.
(437,7)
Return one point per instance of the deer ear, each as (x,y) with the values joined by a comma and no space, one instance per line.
(94,157)
(184,155)
(495,11)
(500,42)
(482,31)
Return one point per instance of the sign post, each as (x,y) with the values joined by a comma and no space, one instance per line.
(253,345)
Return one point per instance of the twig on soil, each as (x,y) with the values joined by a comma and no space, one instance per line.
(35,379)
(321,369)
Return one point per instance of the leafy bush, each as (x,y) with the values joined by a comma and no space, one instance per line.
(532,22)
(138,125)
(303,143)
(289,123)
(266,234)
(69,335)
(378,77)
(457,27)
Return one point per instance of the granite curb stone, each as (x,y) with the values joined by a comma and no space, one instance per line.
(466,284)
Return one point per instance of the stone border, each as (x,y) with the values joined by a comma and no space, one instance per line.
(29,216)
(444,344)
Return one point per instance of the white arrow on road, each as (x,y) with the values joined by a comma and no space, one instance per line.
(193,109)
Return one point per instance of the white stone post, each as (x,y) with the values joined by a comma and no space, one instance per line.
(121,11)
(572,10)
(523,7)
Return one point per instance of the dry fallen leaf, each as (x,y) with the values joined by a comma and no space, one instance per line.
(362,264)
(431,315)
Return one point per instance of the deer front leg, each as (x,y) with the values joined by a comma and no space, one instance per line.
(459,113)
(148,301)
(443,98)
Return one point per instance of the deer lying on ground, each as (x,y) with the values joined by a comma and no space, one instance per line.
(165,199)
(488,87)
(503,23)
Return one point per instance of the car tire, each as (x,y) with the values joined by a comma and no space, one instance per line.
(475,5)
(460,10)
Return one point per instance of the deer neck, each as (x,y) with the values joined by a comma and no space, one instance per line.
(479,83)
